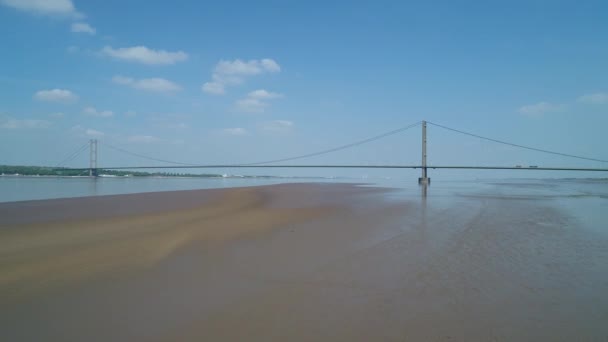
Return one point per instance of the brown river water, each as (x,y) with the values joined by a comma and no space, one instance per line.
(514,260)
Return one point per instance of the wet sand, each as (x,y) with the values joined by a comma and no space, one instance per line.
(298,262)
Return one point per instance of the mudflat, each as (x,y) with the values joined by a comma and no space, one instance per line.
(298,262)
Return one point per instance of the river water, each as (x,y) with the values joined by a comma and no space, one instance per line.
(17,188)
(484,260)
(586,199)
(24,188)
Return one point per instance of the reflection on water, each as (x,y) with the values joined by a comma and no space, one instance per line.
(476,261)
(423,192)
(586,200)
(32,188)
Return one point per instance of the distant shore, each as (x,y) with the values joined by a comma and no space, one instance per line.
(47,171)
(41,171)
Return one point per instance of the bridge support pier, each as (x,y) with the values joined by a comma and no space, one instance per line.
(93,158)
(424,180)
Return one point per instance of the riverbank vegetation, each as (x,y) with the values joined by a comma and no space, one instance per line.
(19,170)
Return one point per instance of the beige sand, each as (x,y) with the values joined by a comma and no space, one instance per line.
(40,256)
(298,263)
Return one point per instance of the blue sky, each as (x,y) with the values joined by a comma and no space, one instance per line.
(222,82)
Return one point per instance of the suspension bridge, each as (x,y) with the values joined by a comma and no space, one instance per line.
(424,179)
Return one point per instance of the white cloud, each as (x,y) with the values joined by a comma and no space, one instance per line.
(538,109)
(251,105)
(93,133)
(142,54)
(256,101)
(214,88)
(262,94)
(270,65)
(12,123)
(251,67)
(130,113)
(92,111)
(235,131)
(227,73)
(160,85)
(143,139)
(56,95)
(597,98)
(83,28)
(45,7)
(87,132)
(278,126)
(57,115)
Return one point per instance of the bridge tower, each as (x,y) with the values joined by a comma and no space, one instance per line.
(93,158)
(424,180)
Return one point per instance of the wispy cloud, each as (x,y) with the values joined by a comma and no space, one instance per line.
(228,73)
(251,105)
(144,55)
(73,49)
(58,115)
(92,111)
(56,95)
(12,123)
(83,28)
(156,84)
(177,125)
(235,131)
(215,88)
(64,8)
(256,101)
(262,94)
(87,132)
(142,139)
(277,126)
(540,108)
(169,123)
(94,133)
(596,98)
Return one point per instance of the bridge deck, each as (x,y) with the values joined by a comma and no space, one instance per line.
(461,167)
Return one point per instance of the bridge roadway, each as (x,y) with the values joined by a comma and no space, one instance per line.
(223,166)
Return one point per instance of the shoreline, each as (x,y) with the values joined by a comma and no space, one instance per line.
(20,189)
(77,238)
(140,203)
